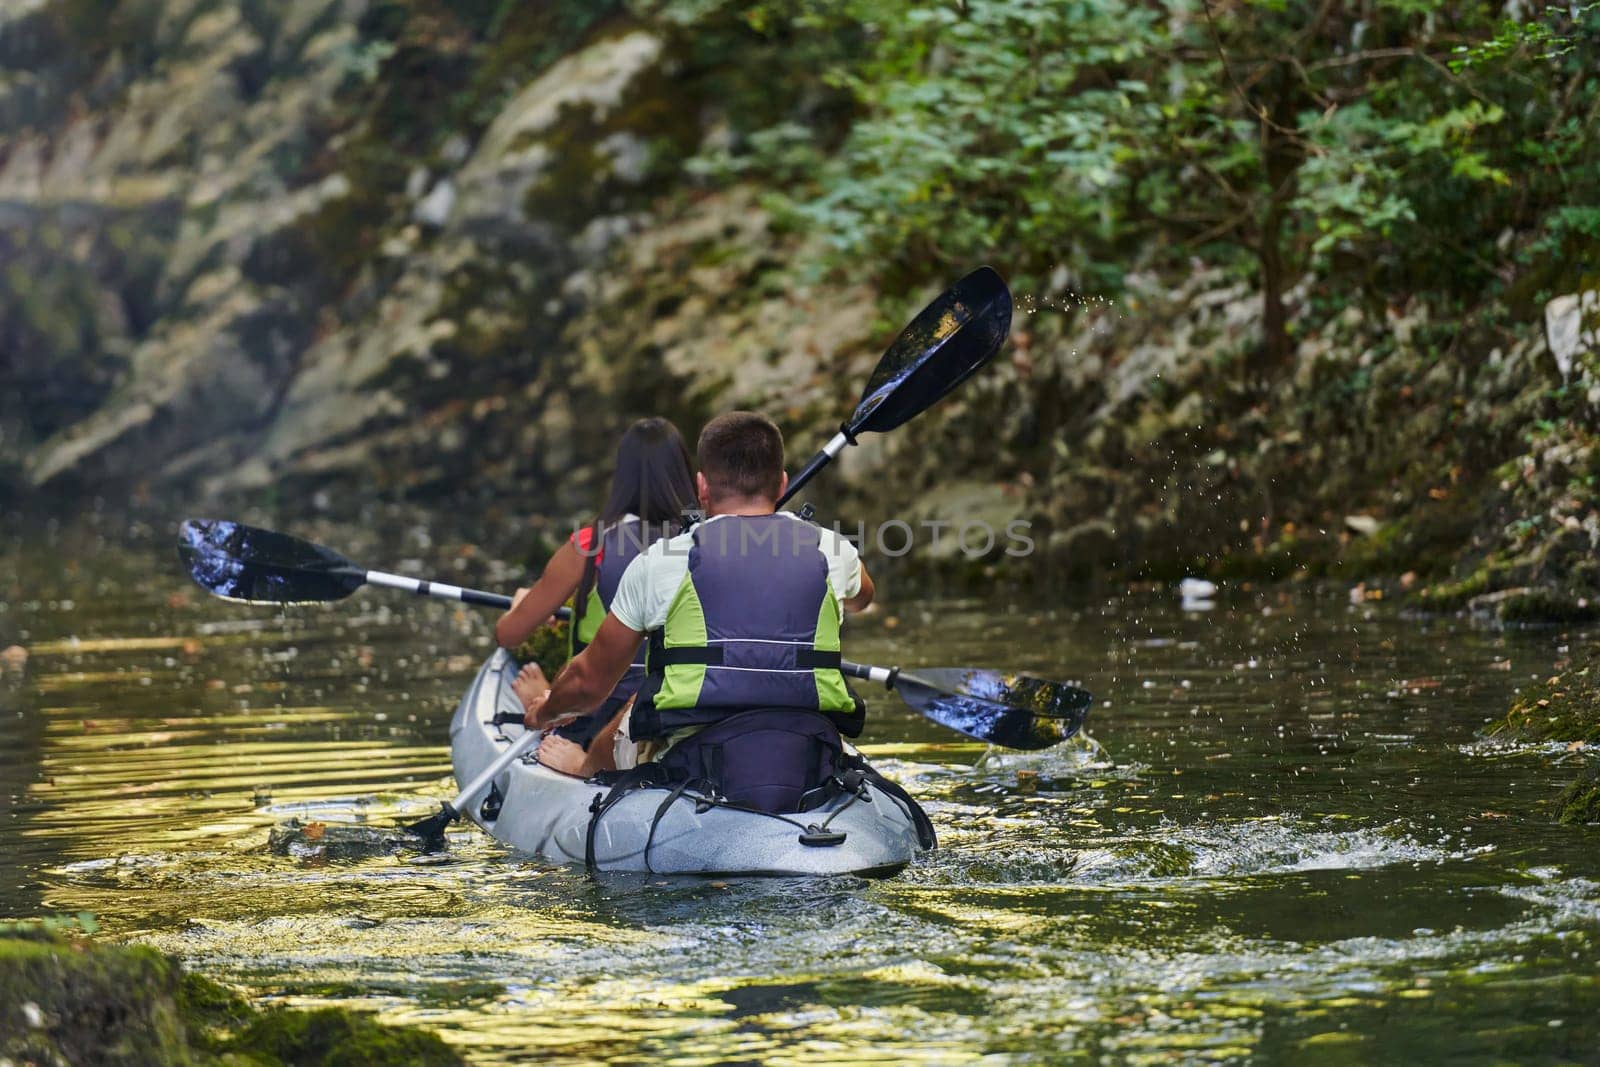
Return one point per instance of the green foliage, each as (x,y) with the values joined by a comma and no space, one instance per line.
(1377,148)
(548,646)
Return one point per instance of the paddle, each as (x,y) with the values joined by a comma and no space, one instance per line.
(432,829)
(256,566)
(1012,711)
(937,351)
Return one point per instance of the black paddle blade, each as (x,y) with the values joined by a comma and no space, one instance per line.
(1012,711)
(941,348)
(256,566)
(431,830)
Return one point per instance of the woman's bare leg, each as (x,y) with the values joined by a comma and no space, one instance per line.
(602,750)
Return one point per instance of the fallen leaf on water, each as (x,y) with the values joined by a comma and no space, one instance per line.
(314,831)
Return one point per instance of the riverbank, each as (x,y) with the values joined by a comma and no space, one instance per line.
(71,1000)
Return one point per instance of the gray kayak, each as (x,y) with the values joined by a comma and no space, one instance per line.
(548,814)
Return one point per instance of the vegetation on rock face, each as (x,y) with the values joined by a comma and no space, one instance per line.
(1282,267)
(1564,708)
(74,1001)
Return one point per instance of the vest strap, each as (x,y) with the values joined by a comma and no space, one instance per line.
(685,655)
(806,659)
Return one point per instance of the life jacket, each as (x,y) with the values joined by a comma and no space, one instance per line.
(755,624)
(608,555)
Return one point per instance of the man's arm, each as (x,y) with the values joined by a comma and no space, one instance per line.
(860,601)
(589,677)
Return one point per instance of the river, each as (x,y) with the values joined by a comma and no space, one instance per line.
(1286,837)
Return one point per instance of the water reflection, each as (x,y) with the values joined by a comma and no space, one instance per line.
(1282,840)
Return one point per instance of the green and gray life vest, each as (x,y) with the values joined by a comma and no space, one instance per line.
(755,624)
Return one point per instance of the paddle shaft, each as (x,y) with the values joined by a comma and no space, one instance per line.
(820,460)
(487,775)
(438,589)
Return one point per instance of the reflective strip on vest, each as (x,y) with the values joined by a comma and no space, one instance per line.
(752,618)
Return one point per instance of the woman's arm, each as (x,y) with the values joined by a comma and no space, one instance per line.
(533,606)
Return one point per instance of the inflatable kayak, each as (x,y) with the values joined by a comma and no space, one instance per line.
(864,829)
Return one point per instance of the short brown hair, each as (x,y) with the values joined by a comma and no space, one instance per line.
(741,455)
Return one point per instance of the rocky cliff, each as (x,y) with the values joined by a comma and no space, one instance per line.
(257,250)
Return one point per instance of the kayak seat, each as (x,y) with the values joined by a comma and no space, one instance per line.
(766,759)
(775,761)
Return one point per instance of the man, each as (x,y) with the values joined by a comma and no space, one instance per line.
(743,613)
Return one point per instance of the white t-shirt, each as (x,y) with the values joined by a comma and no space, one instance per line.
(651,581)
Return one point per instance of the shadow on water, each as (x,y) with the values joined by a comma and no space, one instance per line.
(1283,838)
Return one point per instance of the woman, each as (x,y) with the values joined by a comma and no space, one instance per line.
(652,486)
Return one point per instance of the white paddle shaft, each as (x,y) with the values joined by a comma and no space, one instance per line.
(487,775)
(422,587)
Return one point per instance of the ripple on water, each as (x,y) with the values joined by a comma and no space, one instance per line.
(1253,865)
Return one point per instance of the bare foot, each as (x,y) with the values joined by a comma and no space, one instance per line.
(531,685)
(559,754)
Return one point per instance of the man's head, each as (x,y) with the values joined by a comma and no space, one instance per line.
(741,463)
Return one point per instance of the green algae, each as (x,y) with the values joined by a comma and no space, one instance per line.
(79,1001)
(336,1037)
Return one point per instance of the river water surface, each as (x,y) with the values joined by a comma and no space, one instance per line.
(1285,840)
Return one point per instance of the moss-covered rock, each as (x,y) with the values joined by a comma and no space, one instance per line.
(1580,801)
(333,1037)
(1563,708)
(1533,607)
(74,1001)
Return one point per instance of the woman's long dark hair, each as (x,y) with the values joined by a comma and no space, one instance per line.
(653,478)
